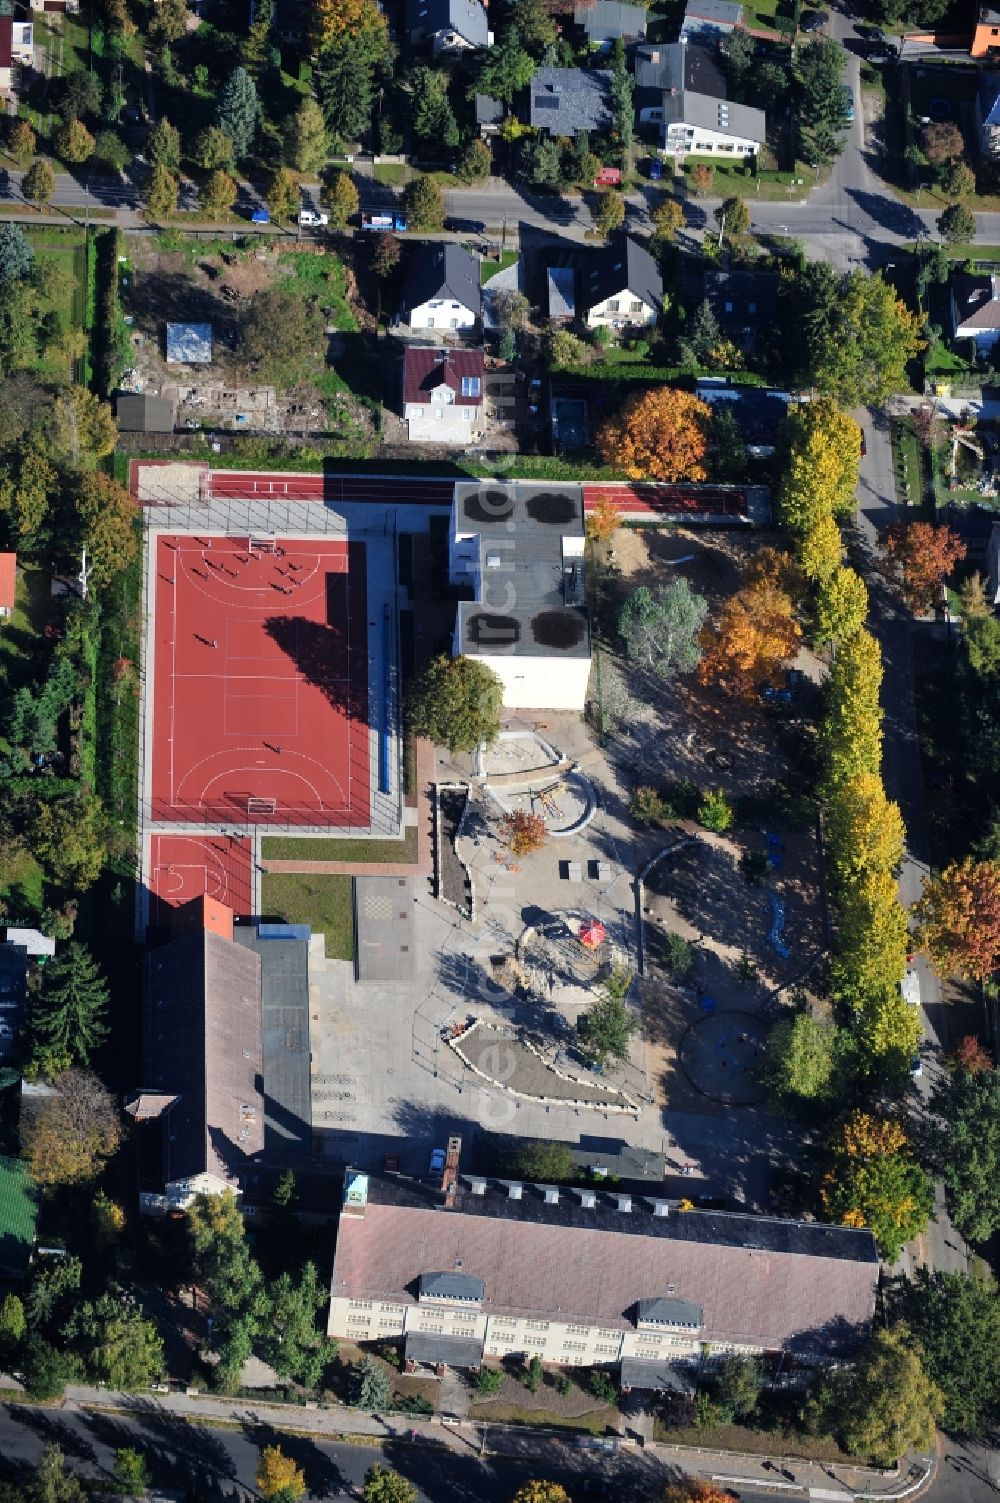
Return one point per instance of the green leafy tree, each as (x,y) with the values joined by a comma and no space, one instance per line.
(47,1368)
(862,354)
(79,94)
(131,1471)
(73,142)
(963,1148)
(73,1132)
(284,196)
(212,149)
(540,161)
(622,107)
(456,703)
(727,447)
(715,812)
(738,1384)
(799,1058)
(17,257)
(68,1010)
(162,192)
(52,1293)
(884,1405)
(958,180)
(12,1323)
(304,138)
(296,1347)
(820,68)
(667,218)
(432,119)
(217,195)
(533,1374)
(544,1161)
(339,197)
(739,50)
(69,838)
(21,140)
(278,1478)
(476,161)
(121,1347)
(957,224)
(383,1485)
(701,335)
(368,1385)
(164,145)
(605,1030)
(610,212)
(490,1380)
(841,606)
(506,69)
(169,22)
(223,1263)
(956,1320)
(238,113)
(660,627)
(282,333)
(111,150)
(108,525)
(733,218)
(423,203)
(39,182)
(873,1181)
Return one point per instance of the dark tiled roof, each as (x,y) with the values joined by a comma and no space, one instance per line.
(609,19)
(451,1286)
(203,1044)
(760,1280)
(623,264)
(441,269)
(426,369)
(284,987)
(489,111)
(659,1376)
(742,298)
(567,100)
(977,301)
(670,1312)
(466,17)
(142,413)
(455,1351)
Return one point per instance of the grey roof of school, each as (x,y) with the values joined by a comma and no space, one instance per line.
(466,17)
(565,101)
(453,1351)
(284,1037)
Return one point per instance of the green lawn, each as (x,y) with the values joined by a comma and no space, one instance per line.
(322,277)
(761,1442)
(596,1422)
(326,904)
(295,848)
(57,248)
(907,463)
(22,885)
(391,174)
(19,634)
(490,269)
(732,178)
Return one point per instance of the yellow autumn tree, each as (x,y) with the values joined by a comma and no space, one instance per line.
(774,567)
(541,1492)
(333,20)
(278,1476)
(851,734)
(873,1181)
(822,461)
(888,1028)
(603,522)
(750,641)
(872,939)
(865,830)
(841,606)
(821,549)
(660,434)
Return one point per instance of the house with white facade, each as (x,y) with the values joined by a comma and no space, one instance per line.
(519,549)
(17,49)
(443,395)
(680,90)
(621,286)
(467,1267)
(710,20)
(974,302)
(441,288)
(451,26)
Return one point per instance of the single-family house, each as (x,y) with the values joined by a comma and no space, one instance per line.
(710,20)
(71,7)
(621,286)
(489,114)
(14,955)
(443,395)
(974,303)
(8,583)
(17,49)
(449,25)
(464,1267)
(441,288)
(609,21)
(565,101)
(986,37)
(760,411)
(519,549)
(680,90)
(988,114)
(743,303)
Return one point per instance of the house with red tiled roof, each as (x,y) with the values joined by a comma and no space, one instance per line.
(8,582)
(461,1268)
(443,395)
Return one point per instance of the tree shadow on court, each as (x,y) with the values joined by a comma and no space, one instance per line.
(322,654)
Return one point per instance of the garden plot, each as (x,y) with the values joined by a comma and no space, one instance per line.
(319,389)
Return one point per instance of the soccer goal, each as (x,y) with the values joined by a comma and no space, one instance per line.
(262,545)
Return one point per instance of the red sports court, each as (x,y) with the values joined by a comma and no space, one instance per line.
(182,867)
(260,698)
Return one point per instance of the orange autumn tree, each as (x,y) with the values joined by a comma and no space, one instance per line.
(658,435)
(603,522)
(970,1056)
(958,918)
(523,833)
(919,558)
(695,1490)
(751,639)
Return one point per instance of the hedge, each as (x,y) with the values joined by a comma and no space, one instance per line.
(625,373)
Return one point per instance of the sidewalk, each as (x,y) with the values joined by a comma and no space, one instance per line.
(728,1469)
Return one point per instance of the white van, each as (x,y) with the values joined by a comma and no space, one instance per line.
(910,988)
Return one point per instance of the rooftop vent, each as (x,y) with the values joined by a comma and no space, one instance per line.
(493,560)
(477,1186)
(661,1208)
(588,1199)
(515,1190)
(624,1203)
(551,1195)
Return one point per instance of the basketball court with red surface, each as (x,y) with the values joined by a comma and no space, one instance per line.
(260,695)
(182,867)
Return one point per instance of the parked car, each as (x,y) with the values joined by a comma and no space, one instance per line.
(260,216)
(848,104)
(814,21)
(655,169)
(465,227)
(436,1165)
(312,217)
(916,1067)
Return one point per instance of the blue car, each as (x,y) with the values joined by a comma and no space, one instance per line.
(655,169)
(260,216)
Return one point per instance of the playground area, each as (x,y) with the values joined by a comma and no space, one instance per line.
(260,692)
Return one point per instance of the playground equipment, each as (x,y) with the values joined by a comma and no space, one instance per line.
(965,439)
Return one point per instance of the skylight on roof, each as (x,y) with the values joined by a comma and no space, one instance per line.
(470,386)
